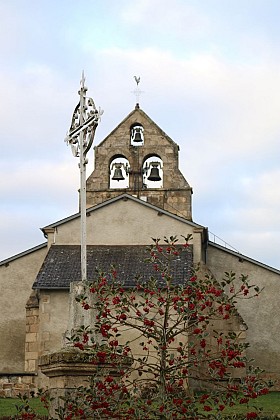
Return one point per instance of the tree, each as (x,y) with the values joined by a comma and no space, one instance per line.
(150,342)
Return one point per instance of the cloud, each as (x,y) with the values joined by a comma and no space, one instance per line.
(36,194)
(34,111)
(181,20)
(47,178)
(244,214)
(237,104)
(265,185)
(210,80)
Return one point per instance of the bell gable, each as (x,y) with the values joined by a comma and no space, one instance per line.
(139,159)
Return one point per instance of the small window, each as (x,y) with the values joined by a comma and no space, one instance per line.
(137,135)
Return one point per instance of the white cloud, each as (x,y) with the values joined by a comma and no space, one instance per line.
(239,105)
(45,179)
(211,82)
(35,194)
(264,183)
(179,19)
(245,214)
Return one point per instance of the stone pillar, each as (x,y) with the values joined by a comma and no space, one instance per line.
(31,337)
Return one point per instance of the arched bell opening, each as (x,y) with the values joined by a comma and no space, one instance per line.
(119,172)
(153,172)
(137,135)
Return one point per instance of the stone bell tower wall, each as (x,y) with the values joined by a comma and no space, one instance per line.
(175,194)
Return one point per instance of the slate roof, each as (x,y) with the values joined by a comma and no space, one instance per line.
(62,265)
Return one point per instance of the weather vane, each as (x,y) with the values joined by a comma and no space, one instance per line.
(80,137)
(137,92)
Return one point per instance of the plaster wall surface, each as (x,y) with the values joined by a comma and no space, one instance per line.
(16,279)
(261,314)
(126,222)
(53,313)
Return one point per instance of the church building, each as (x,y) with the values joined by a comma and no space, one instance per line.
(135,192)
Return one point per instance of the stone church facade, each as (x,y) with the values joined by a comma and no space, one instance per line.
(135,192)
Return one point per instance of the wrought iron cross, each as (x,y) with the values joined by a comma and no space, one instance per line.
(80,137)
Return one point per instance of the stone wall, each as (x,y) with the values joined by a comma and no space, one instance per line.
(32,333)
(176,202)
(175,194)
(17,383)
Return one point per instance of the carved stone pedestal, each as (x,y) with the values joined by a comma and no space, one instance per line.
(68,369)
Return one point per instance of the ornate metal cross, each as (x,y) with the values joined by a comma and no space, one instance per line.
(80,137)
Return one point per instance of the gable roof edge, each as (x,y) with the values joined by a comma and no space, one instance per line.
(22,254)
(124,196)
(244,257)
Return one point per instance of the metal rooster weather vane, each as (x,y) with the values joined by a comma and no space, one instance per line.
(137,92)
(80,137)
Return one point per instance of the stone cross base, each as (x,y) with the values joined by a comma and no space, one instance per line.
(68,369)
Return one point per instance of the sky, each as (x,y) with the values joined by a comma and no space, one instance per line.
(210,76)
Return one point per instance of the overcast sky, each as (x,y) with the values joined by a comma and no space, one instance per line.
(210,72)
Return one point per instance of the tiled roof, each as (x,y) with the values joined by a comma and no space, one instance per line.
(62,265)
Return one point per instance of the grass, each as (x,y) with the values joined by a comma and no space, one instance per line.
(270,404)
(8,406)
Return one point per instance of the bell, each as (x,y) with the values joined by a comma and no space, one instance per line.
(118,176)
(154,174)
(137,136)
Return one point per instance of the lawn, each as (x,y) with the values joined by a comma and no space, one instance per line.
(270,404)
(8,406)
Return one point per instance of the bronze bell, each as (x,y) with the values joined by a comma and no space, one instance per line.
(137,137)
(118,175)
(154,174)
